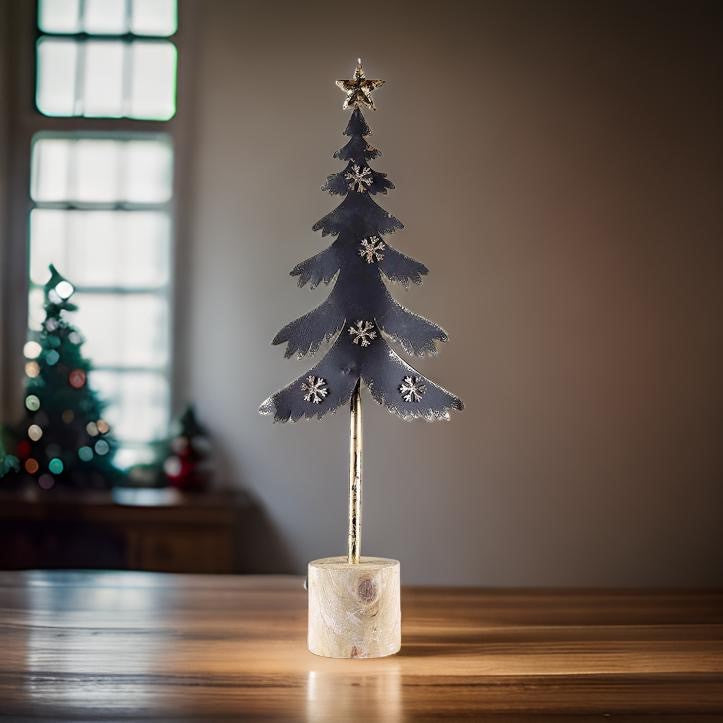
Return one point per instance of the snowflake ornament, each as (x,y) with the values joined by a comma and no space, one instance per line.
(371,249)
(315,388)
(359,178)
(412,389)
(363,332)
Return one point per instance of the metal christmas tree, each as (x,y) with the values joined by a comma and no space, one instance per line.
(361,313)
(64,439)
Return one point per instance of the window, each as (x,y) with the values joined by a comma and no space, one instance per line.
(101,197)
(106,58)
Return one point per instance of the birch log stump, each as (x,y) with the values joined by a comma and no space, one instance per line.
(354,608)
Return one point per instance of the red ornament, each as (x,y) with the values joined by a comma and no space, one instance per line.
(76,379)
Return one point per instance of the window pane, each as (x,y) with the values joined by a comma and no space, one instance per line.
(59,16)
(117,79)
(124,249)
(154,17)
(101,170)
(123,329)
(153,81)
(95,170)
(148,171)
(137,403)
(128,455)
(50,167)
(55,88)
(108,17)
(103,79)
(105,17)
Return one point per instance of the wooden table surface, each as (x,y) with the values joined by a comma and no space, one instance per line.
(88,645)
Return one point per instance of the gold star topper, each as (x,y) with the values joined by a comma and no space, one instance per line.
(359,89)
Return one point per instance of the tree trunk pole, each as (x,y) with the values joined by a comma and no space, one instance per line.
(354,607)
(355,476)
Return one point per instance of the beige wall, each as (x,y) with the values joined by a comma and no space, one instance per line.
(559,169)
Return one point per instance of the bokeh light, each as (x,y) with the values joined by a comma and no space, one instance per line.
(31,465)
(32,369)
(32,402)
(64,289)
(52,357)
(55,465)
(35,432)
(92,429)
(46,481)
(102,447)
(172,466)
(76,379)
(103,426)
(85,454)
(32,350)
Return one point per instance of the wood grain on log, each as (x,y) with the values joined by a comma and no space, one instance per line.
(354,609)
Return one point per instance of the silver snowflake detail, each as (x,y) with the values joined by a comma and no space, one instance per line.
(412,389)
(359,178)
(371,249)
(363,332)
(315,388)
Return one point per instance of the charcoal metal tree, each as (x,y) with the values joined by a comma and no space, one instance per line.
(64,439)
(360,312)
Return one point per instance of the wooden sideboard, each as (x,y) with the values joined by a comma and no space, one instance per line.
(126,529)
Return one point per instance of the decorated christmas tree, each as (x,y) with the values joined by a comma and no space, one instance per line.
(188,464)
(64,439)
(362,320)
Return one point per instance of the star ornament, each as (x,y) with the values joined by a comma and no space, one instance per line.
(359,89)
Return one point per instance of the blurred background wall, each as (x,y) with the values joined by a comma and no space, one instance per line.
(559,169)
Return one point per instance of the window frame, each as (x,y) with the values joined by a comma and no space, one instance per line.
(126,40)
(24,121)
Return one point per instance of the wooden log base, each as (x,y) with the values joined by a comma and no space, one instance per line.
(354,609)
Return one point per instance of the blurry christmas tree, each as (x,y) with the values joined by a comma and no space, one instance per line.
(64,439)
(188,464)
(8,462)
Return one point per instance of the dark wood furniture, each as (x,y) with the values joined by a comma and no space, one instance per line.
(127,529)
(92,645)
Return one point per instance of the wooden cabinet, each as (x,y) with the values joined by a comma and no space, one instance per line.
(127,529)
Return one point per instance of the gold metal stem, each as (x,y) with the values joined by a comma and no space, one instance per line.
(355,476)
